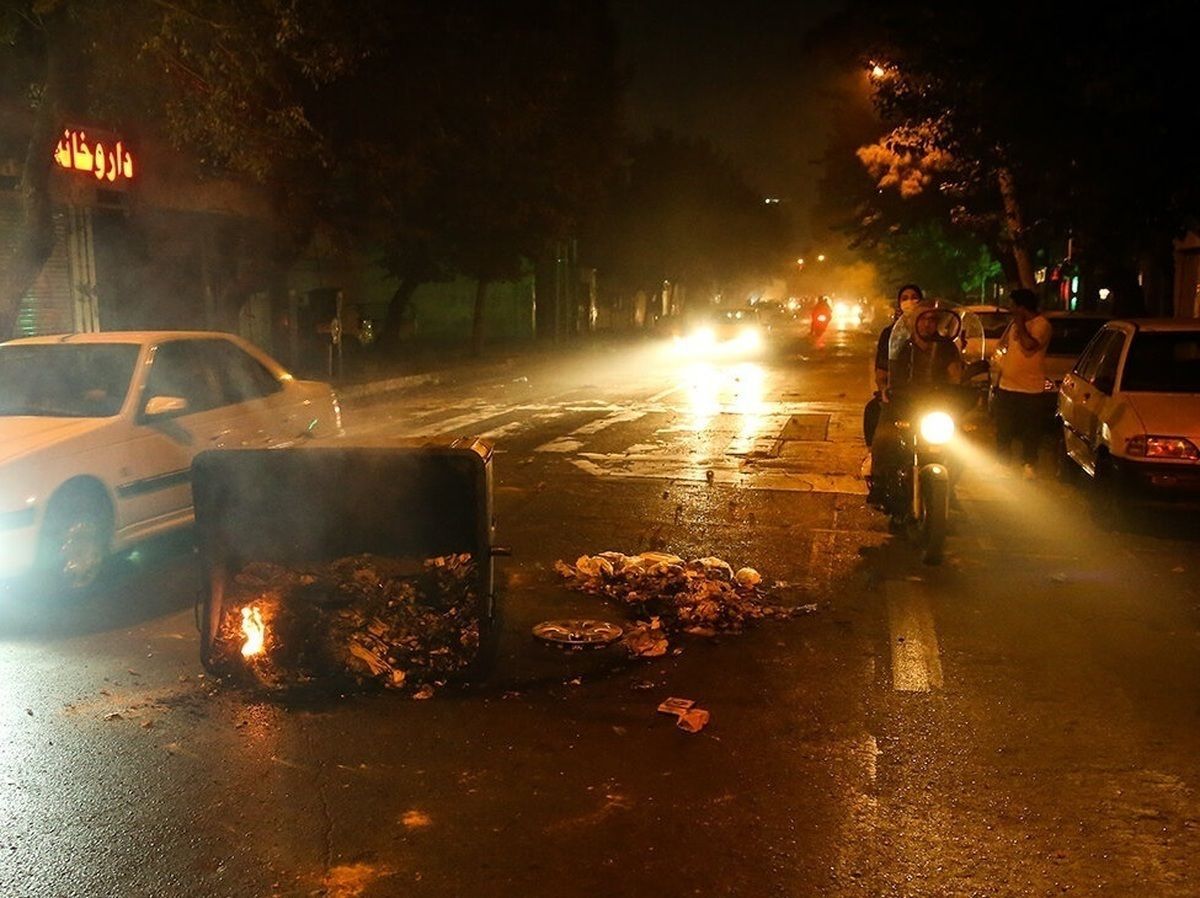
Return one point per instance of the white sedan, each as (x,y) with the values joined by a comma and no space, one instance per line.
(1130,411)
(98,432)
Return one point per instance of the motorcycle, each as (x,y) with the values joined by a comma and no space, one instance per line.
(910,478)
(821,317)
(914,491)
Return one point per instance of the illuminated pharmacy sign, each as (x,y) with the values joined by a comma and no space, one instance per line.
(106,162)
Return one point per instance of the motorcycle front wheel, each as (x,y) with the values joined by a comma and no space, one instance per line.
(935,507)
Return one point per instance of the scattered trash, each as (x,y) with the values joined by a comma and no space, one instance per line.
(29,711)
(1058,578)
(147,724)
(747,577)
(596,633)
(364,619)
(425,692)
(575,681)
(113,716)
(667,594)
(416,820)
(688,717)
(693,721)
(676,706)
(646,640)
(1178,570)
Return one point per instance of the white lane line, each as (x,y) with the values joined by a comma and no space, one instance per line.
(665,393)
(916,662)
(560,444)
(571,442)
(622,417)
(505,430)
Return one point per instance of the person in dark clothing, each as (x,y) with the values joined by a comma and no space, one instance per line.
(908,298)
(925,362)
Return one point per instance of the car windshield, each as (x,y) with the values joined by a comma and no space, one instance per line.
(993,323)
(66,380)
(1069,336)
(1163,363)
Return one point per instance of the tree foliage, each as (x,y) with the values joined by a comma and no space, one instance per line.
(452,137)
(1082,113)
(680,212)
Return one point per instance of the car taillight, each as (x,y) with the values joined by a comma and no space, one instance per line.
(1147,446)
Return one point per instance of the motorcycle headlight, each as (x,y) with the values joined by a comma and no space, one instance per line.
(937,428)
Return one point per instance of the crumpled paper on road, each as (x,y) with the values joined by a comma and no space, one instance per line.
(667,594)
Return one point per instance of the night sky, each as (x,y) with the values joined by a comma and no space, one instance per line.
(739,75)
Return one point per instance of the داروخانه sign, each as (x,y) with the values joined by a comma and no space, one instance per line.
(106,162)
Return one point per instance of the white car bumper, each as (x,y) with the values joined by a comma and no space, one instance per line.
(18,544)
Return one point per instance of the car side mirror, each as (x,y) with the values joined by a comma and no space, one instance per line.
(158,406)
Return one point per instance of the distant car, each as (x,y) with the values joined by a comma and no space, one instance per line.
(98,432)
(737,332)
(1130,410)
(1070,333)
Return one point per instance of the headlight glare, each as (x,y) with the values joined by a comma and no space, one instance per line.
(937,428)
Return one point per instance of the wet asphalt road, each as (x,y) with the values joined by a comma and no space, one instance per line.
(1023,720)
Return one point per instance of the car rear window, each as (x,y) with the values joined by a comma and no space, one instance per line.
(65,380)
(1070,336)
(1164,362)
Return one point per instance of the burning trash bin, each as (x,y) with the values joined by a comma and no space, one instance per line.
(369,564)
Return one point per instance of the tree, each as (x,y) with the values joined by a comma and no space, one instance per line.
(1055,125)
(682,213)
(499,127)
(225,79)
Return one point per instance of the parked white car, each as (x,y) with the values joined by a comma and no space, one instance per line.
(1130,410)
(98,432)
(982,328)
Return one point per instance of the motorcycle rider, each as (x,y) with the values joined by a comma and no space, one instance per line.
(908,297)
(924,362)
(822,314)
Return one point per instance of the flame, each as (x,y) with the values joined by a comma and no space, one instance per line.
(255,631)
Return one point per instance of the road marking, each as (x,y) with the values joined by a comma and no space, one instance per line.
(665,393)
(916,662)
(570,442)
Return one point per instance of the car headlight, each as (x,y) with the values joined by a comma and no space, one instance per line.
(750,338)
(699,341)
(937,428)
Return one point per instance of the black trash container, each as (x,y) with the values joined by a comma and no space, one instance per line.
(317,503)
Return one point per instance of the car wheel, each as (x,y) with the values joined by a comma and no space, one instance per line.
(1107,501)
(75,543)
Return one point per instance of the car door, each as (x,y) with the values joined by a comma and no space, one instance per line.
(154,483)
(1094,400)
(1075,391)
(262,409)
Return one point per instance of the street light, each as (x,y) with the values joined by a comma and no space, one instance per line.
(821,258)
(800,262)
